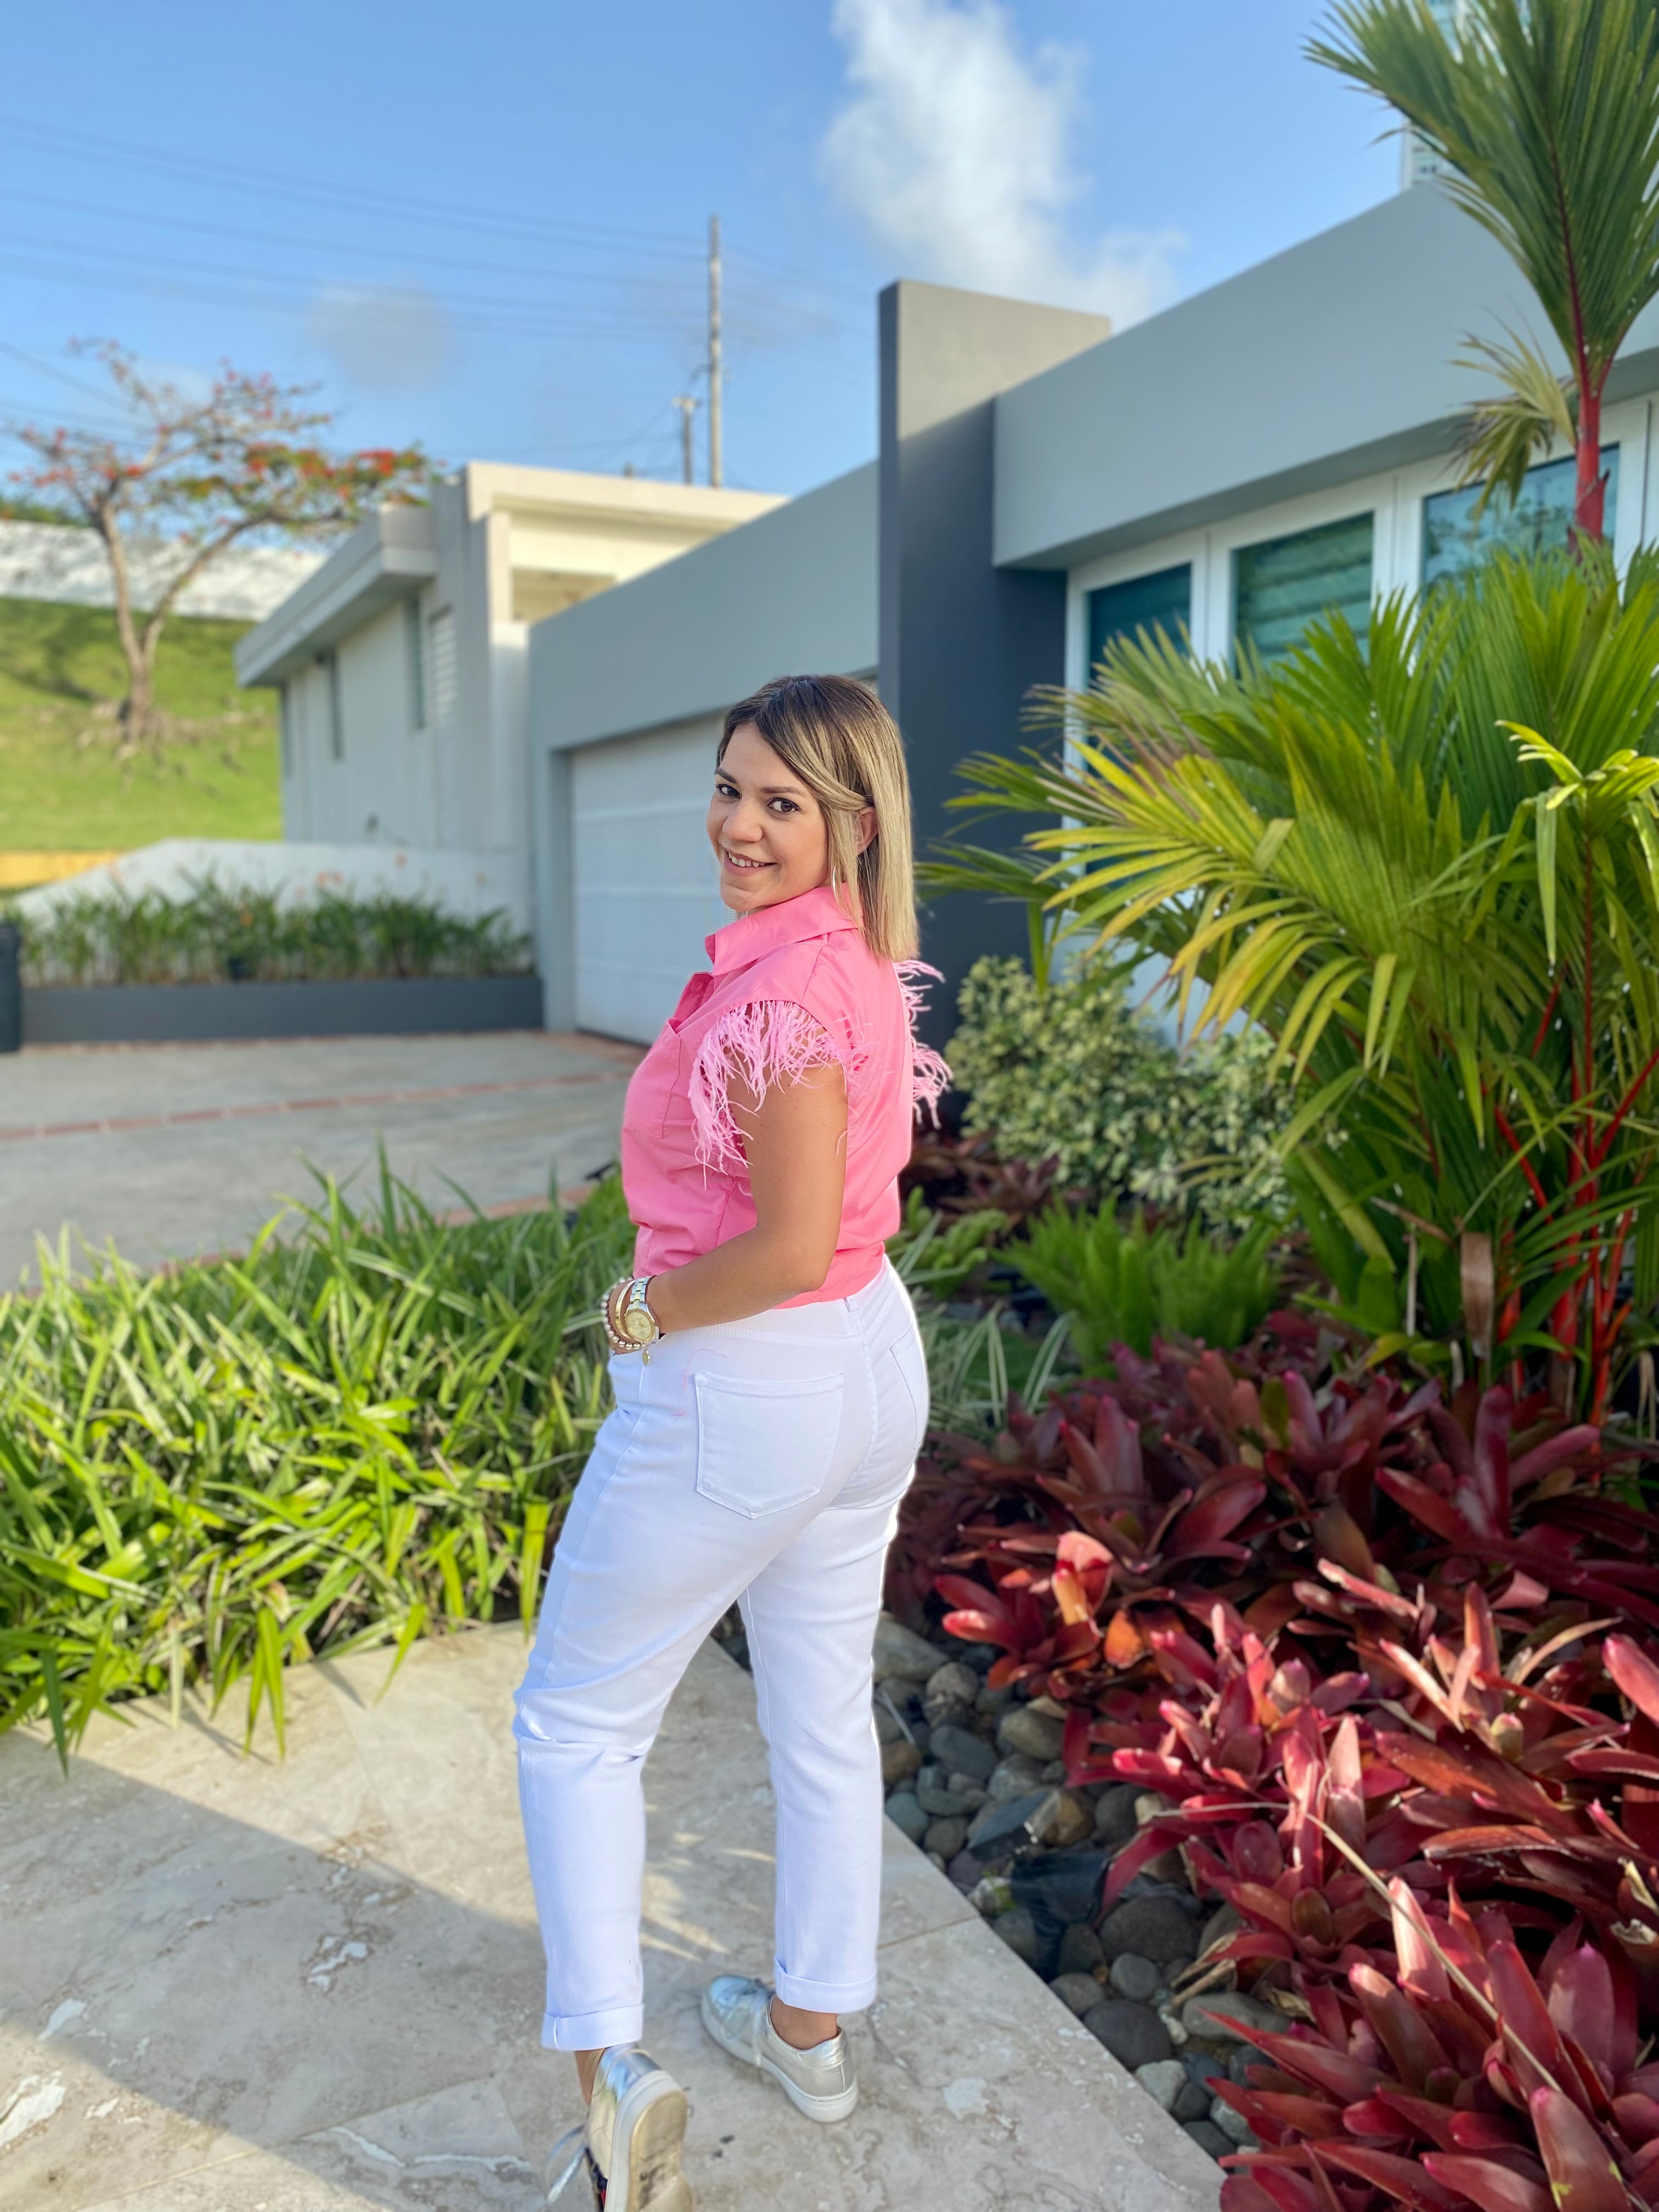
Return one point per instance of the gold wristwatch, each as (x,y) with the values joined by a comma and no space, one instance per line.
(635,1329)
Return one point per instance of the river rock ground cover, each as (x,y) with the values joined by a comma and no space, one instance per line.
(976,1776)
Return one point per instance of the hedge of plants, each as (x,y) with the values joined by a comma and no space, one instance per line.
(1385,1666)
(362,1431)
(219,935)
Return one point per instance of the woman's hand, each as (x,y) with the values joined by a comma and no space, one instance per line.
(794,1139)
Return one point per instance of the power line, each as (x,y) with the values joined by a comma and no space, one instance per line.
(238,232)
(59,375)
(640,317)
(122,153)
(498,318)
(243,177)
(647,312)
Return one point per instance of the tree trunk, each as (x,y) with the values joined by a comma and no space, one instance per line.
(143,683)
(136,714)
(1590,495)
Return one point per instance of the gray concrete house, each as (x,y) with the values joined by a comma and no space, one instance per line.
(1277,445)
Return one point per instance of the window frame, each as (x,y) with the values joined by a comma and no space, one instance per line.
(1613,464)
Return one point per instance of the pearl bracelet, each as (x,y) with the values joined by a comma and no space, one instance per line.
(635,1328)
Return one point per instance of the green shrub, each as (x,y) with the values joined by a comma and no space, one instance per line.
(357,1432)
(1128,1285)
(1076,1074)
(934,1255)
(217,935)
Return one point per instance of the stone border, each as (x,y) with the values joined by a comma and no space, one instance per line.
(396,1005)
(974,1778)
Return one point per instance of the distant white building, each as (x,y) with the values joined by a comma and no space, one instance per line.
(52,561)
(401,661)
(1417,164)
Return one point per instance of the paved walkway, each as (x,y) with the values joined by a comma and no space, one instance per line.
(176,1149)
(235,1985)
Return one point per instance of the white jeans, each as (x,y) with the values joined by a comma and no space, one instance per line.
(764,1460)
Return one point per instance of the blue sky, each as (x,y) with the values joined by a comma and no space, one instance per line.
(492,241)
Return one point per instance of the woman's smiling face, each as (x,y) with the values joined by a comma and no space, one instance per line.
(768,830)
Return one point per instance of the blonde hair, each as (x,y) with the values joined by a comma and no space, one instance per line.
(845,747)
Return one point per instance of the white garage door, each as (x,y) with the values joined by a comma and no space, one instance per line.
(645,894)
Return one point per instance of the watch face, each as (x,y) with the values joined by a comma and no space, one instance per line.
(638,1326)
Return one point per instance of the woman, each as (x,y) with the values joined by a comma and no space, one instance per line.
(771,1395)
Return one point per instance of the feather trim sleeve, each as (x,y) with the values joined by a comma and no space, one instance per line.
(770,1040)
(776,1040)
(930,1078)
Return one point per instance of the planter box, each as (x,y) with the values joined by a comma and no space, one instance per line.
(413,1005)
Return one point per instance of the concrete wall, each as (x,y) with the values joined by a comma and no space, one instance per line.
(373,792)
(962,642)
(1331,361)
(386,556)
(793,593)
(464,883)
(45,560)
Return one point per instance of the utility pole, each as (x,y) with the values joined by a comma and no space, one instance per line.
(716,370)
(688,408)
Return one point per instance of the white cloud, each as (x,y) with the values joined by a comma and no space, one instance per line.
(955,149)
(382,337)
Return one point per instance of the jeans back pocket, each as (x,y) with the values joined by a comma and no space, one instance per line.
(765,1444)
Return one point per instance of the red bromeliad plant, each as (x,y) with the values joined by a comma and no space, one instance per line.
(1391,1837)
(1462,2077)
(1359,1643)
(1191,1477)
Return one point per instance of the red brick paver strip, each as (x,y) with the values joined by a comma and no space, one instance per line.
(264,1107)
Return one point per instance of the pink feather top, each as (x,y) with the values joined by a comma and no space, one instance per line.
(791,988)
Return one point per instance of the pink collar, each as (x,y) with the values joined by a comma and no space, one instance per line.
(792,921)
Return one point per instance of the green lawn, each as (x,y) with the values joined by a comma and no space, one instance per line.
(60,783)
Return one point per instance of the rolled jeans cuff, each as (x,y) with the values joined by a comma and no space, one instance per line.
(823,1996)
(592,2031)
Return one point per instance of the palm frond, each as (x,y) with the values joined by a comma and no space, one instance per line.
(1546,115)
(1499,437)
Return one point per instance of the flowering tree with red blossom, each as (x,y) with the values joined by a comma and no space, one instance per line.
(245,462)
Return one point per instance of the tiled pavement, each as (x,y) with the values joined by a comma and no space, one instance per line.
(314,1984)
(175,1149)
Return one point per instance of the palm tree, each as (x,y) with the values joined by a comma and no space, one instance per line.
(1546,114)
(1428,868)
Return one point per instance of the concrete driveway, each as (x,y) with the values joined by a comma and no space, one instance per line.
(171,1150)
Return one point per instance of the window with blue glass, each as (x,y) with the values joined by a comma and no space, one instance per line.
(1538,521)
(1283,584)
(1159,602)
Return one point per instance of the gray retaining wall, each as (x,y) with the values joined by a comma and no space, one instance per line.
(133,1013)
